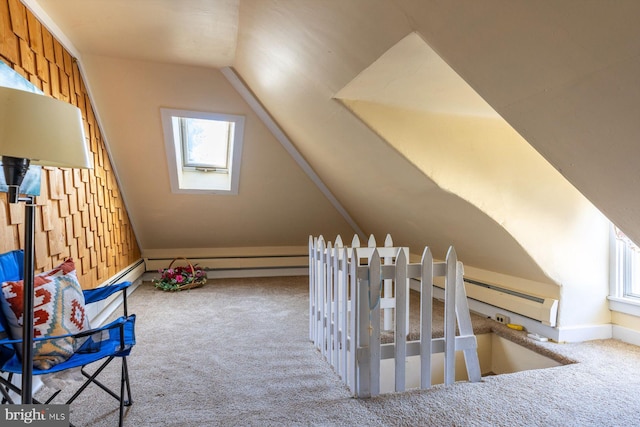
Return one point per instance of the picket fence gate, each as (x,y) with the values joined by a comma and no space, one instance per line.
(351,287)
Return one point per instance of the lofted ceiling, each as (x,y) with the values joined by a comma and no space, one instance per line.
(412,76)
(482,82)
(190,32)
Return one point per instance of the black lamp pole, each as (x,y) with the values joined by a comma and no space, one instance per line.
(27,305)
(14,171)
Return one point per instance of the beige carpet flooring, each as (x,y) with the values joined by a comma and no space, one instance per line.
(236,353)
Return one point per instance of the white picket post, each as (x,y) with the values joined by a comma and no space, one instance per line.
(319,267)
(388,288)
(426,318)
(353,320)
(402,311)
(344,317)
(335,335)
(328,259)
(322,284)
(466,328)
(450,318)
(363,349)
(375,294)
(312,289)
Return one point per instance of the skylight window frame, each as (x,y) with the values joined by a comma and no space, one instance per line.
(198,180)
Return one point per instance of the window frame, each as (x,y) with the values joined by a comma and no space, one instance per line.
(201,180)
(621,275)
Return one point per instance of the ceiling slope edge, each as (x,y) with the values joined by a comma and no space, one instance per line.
(245,92)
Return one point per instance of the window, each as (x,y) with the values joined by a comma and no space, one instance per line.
(625,269)
(203,150)
(627,265)
(205,143)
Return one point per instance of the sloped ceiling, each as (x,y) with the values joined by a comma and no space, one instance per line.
(563,74)
(411,76)
(191,32)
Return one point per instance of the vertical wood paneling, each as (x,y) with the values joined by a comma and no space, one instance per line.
(28,57)
(80,213)
(8,40)
(5,244)
(18,19)
(16,214)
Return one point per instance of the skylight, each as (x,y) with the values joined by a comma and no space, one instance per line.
(203,151)
(205,143)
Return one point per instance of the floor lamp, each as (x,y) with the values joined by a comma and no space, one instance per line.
(35,129)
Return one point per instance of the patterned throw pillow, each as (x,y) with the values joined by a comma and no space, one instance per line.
(58,310)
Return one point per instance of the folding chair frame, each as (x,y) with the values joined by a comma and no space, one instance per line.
(125,386)
(120,341)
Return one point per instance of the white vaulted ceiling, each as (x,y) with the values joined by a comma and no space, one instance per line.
(190,32)
(503,127)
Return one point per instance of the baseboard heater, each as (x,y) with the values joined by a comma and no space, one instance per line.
(130,273)
(545,310)
(236,262)
(233,262)
(541,309)
(100,311)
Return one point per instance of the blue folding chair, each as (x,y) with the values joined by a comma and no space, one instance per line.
(114,340)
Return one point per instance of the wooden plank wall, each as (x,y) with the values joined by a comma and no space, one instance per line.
(80,213)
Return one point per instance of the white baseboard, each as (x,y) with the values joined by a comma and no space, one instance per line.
(100,311)
(627,335)
(585,333)
(111,306)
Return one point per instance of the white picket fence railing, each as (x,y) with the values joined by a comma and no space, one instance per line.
(346,302)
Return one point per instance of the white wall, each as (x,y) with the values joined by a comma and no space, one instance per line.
(277,204)
(487,163)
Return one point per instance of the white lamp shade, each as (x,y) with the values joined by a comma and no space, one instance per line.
(44,130)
